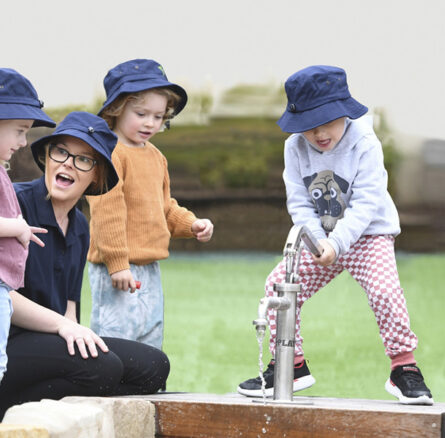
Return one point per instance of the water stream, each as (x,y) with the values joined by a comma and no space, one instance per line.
(260,337)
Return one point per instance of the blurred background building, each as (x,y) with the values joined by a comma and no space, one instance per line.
(225,149)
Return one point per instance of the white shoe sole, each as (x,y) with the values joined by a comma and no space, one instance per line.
(393,390)
(298,385)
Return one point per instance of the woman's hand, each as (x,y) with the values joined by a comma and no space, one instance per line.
(328,257)
(123,280)
(84,337)
(32,316)
(202,229)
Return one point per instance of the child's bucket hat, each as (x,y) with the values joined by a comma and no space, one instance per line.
(89,128)
(19,100)
(317,95)
(139,75)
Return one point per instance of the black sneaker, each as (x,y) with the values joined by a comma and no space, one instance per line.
(407,384)
(252,387)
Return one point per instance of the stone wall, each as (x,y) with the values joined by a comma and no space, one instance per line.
(80,417)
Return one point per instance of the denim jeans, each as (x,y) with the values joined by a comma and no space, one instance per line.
(137,316)
(5,322)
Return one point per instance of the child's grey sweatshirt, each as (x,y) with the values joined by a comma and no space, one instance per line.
(341,193)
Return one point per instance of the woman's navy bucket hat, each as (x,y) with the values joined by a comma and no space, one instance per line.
(19,100)
(317,95)
(139,75)
(89,128)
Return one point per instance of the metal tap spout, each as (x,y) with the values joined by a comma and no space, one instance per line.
(278,303)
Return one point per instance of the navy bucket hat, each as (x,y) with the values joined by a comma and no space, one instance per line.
(317,95)
(89,128)
(139,75)
(19,100)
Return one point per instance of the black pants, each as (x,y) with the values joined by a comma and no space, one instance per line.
(39,366)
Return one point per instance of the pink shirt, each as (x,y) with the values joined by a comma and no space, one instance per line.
(12,254)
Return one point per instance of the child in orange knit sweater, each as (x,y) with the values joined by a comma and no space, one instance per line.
(132,224)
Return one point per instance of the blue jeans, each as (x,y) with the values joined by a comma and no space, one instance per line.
(138,316)
(5,322)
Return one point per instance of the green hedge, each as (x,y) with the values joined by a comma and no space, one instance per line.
(226,153)
(241,152)
(232,152)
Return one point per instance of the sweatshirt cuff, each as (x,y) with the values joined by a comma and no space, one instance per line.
(184,229)
(319,234)
(116,266)
(335,246)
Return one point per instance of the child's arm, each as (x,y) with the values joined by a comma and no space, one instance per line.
(179,219)
(108,225)
(369,194)
(109,233)
(299,204)
(18,228)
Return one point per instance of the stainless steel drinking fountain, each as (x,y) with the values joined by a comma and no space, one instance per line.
(285,304)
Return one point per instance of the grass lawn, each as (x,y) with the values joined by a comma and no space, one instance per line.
(211,300)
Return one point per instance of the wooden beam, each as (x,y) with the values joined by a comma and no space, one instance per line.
(179,417)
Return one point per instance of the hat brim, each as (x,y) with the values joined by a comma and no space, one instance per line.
(17,111)
(36,147)
(145,85)
(294,122)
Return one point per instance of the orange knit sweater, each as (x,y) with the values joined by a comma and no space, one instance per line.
(134,221)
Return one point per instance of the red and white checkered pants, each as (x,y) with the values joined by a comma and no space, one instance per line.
(371,262)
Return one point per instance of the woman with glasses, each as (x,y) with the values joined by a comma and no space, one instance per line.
(50,354)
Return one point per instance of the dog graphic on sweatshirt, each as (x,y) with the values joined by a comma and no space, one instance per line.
(326,190)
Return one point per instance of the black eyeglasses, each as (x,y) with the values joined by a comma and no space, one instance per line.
(80,162)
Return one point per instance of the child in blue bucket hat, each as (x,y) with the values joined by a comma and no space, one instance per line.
(20,109)
(65,357)
(336,185)
(131,226)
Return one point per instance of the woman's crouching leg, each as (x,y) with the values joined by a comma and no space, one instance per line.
(41,367)
(145,368)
